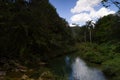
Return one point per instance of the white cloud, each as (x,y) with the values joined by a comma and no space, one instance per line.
(72,25)
(82,17)
(103,11)
(84,11)
(84,5)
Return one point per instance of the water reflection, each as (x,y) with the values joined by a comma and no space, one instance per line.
(80,71)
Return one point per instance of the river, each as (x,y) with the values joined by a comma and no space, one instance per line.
(80,71)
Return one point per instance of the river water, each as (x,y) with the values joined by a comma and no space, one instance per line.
(80,71)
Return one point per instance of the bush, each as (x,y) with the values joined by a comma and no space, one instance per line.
(112,68)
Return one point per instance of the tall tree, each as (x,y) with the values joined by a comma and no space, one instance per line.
(90,25)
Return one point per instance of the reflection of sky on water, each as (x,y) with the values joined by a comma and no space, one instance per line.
(67,60)
(80,71)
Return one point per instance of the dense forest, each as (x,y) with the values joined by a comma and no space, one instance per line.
(31,33)
(28,31)
(34,39)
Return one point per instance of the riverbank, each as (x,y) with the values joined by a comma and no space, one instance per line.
(104,57)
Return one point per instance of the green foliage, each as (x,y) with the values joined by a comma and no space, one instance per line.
(78,33)
(103,56)
(112,68)
(90,53)
(29,34)
(104,53)
(33,35)
(107,29)
(81,34)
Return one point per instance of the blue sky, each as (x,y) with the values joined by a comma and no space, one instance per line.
(80,11)
(63,7)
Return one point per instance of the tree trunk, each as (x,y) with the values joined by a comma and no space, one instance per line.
(85,36)
(90,36)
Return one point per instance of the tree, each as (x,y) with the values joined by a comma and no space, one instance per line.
(28,33)
(107,3)
(107,29)
(90,25)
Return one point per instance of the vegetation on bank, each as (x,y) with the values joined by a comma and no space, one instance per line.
(104,56)
(99,45)
(34,42)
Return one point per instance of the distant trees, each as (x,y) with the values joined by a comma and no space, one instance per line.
(84,33)
(107,29)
